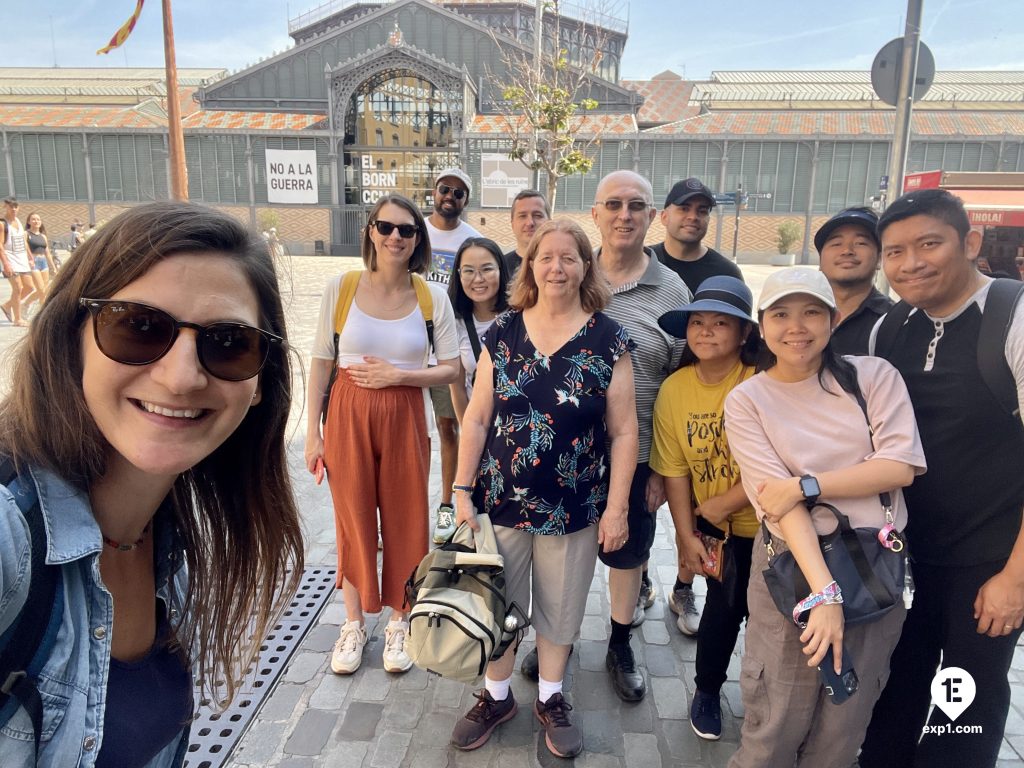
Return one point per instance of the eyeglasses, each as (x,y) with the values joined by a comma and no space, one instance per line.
(385,228)
(137,334)
(457,192)
(634,206)
(470,273)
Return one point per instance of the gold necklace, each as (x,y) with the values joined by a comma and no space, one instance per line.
(378,302)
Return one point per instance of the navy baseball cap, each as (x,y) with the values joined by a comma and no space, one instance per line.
(720,293)
(683,190)
(865,217)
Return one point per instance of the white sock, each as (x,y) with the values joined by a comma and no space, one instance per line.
(498,688)
(546,689)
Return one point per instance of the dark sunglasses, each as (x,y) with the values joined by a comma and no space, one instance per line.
(137,334)
(385,228)
(457,192)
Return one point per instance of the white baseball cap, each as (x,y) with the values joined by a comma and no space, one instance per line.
(792,280)
(455,173)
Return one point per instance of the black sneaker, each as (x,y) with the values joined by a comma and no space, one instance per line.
(627,680)
(475,728)
(562,737)
(706,715)
(529,668)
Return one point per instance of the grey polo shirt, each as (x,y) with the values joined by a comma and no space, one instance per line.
(637,307)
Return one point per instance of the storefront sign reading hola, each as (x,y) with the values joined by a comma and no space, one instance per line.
(291,176)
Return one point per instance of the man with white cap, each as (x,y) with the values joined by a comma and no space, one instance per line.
(447,232)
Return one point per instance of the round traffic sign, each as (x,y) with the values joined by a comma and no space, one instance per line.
(885,71)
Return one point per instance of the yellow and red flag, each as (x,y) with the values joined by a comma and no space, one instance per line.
(122,34)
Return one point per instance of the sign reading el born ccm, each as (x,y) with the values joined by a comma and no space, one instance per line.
(291,176)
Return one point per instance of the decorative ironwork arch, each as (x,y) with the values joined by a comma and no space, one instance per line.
(349,77)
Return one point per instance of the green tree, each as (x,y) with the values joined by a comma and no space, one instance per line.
(544,108)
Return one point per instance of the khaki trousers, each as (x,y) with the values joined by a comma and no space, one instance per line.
(789,717)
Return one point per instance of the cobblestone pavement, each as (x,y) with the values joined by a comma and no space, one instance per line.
(376,720)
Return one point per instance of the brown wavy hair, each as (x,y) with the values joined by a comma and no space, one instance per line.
(419,262)
(595,293)
(234,511)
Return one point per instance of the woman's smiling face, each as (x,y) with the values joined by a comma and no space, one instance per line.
(165,417)
(797,329)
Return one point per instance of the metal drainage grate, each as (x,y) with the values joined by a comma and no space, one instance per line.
(215,734)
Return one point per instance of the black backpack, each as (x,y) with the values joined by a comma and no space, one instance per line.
(26,644)
(1003,296)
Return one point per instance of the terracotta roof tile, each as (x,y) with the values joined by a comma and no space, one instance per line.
(610,124)
(666,98)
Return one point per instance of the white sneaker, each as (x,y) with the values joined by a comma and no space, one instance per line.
(395,657)
(684,603)
(348,651)
(445,523)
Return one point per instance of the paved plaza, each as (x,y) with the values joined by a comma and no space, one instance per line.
(371,718)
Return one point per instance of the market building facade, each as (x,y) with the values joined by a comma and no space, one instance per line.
(376,96)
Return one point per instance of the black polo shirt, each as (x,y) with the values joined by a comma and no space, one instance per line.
(851,335)
(696,272)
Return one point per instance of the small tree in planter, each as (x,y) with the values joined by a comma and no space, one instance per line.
(788,235)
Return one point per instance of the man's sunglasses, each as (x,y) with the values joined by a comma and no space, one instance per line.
(457,192)
(385,228)
(634,206)
(137,334)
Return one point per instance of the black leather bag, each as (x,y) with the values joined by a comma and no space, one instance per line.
(870,575)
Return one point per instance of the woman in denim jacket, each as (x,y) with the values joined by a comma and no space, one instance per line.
(147,414)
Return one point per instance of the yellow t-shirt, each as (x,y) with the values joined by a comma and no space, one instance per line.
(689,438)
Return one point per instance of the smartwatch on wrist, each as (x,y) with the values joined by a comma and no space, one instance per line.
(810,489)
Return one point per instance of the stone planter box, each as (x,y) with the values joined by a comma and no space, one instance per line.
(782,259)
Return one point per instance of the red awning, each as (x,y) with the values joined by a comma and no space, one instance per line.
(993,207)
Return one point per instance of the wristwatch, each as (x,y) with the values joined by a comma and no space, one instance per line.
(810,489)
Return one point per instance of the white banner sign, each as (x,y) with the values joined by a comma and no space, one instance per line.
(501,179)
(291,176)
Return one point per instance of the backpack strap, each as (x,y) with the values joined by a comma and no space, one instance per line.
(1003,296)
(891,324)
(346,295)
(26,645)
(426,302)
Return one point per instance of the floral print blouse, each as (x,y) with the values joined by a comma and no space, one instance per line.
(544,468)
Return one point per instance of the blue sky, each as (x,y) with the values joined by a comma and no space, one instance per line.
(701,36)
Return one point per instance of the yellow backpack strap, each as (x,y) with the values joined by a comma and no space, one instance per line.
(346,295)
(426,302)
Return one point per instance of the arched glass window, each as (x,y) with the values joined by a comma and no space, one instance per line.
(408,102)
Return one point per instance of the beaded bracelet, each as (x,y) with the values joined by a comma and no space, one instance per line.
(830,595)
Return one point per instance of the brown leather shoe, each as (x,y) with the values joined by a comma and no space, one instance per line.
(562,737)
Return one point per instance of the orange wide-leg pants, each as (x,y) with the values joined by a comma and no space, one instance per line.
(377,456)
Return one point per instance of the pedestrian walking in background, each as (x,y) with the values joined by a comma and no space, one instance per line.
(14,259)
(374,446)
(800,436)
(701,476)
(548,448)
(42,260)
(160,485)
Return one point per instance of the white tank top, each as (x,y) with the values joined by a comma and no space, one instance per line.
(402,342)
(14,246)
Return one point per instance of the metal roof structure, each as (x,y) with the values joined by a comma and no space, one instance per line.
(852,90)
